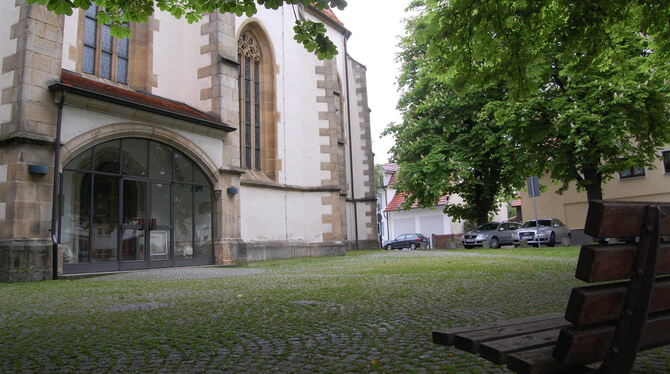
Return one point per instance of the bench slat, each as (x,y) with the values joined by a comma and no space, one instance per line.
(586,345)
(603,303)
(448,336)
(497,351)
(470,341)
(602,263)
(610,219)
(539,361)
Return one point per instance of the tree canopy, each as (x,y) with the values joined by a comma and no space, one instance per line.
(448,143)
(118,13)
(581,89)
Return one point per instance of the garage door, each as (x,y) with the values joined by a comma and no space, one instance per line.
(403,226)
(430,225)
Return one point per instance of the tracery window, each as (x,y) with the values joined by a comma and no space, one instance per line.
(249,56)
(103,55)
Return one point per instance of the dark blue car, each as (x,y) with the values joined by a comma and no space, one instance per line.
(411,241)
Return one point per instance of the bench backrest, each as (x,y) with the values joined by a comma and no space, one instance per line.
(607,319)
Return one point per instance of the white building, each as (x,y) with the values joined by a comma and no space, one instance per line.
(218,142)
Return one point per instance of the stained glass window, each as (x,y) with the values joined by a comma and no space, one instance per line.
(250,100)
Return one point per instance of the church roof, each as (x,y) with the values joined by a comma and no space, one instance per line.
(399,199)
(77,84)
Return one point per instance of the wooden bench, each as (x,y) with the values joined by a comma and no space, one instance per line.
(606,323)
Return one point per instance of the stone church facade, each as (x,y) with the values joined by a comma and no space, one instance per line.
(219,142)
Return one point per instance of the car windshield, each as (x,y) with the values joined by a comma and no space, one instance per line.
(542,222)
(487,227)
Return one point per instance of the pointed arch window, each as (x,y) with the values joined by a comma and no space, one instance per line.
(250,58)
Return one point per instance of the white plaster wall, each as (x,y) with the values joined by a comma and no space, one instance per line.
(9,15)
(271,215)
(177,58)
(70,32)
(77,121)
(415,214)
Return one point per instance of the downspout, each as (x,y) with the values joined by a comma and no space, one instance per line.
(351,153)
(60,97)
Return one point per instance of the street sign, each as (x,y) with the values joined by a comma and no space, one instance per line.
(533,187)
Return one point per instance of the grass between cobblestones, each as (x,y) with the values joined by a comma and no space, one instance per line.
(369,311)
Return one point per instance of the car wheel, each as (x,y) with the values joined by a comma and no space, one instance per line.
(552,240)
(494,243)
(389,247)
(412,247)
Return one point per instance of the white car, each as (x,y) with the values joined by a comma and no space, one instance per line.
(547,231)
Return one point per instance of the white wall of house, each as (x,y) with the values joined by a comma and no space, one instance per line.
(70,32)
(292,216)
(420,220)
(177,58)
(9,15)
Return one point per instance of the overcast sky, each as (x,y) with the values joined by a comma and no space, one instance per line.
(376,25)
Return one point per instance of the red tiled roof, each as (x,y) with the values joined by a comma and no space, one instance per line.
(71,79)
(399,199)
(516,203)
(393,180)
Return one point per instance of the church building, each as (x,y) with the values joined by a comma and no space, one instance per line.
(218,142)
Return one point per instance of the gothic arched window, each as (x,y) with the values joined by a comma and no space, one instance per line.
(250,58)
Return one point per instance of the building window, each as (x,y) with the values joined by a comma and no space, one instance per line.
(103,55)
(666,161)
(134,203)
(249,55)
(635,171)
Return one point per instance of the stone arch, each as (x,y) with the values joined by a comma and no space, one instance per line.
(102,134)
(270,164)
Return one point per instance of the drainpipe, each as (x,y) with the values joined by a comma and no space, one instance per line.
(351,153)
(60,97)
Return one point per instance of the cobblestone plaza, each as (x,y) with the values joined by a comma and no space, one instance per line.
(369,311)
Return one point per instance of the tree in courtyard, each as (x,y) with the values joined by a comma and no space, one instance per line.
(118,13)
(585,82)
(447,143)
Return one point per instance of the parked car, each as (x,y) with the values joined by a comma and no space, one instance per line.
(411,241)
(495,233)
(547,231)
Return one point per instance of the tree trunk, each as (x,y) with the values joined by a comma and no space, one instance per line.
(593,183)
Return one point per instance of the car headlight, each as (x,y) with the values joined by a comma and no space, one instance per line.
(481,237)
(515,235)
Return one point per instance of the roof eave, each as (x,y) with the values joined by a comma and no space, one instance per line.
(143,107)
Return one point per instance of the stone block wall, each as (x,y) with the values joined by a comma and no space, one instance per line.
(27,138)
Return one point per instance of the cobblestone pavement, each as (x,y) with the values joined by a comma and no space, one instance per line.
(363,313)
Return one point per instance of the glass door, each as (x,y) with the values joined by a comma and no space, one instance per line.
(134,224)
(146,224)
(160,224)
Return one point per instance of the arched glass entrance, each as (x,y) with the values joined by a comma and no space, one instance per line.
(133,204)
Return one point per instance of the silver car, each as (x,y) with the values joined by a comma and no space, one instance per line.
(547,231)
(493,233)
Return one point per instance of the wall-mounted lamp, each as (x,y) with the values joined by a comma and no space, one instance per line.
(38,169)
(217,194)
(232,190)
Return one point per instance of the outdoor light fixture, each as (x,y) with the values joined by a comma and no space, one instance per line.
(217,194)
